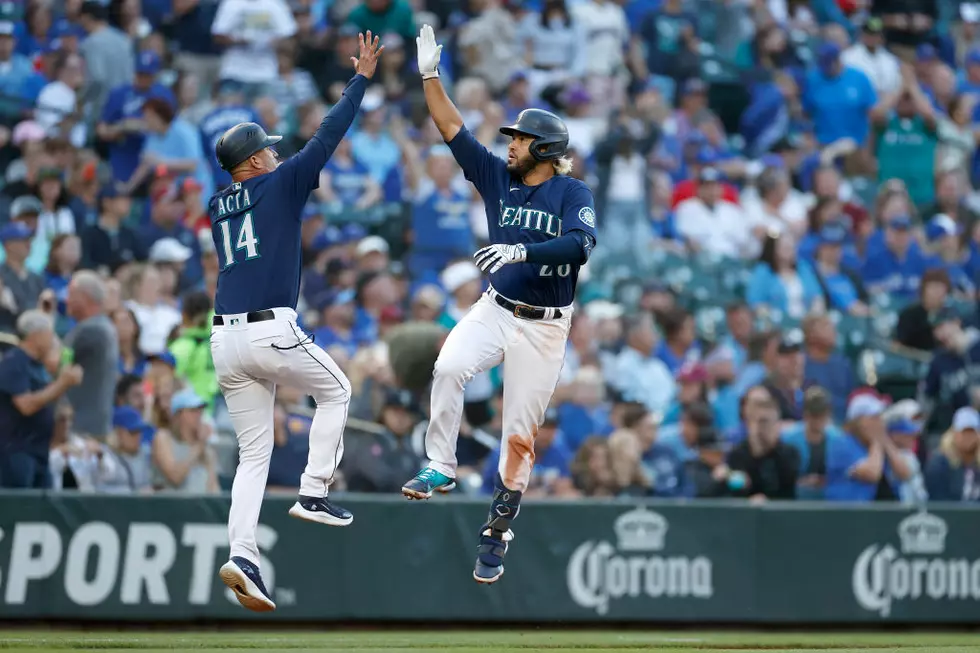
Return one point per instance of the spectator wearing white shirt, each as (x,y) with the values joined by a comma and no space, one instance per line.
(108,53)
(488,44)
(636,373)
(870,57)
(714,226)
(607,36)
(57,109)
(251,29)
(777,206)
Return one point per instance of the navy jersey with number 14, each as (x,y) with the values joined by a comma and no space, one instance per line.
(518,213)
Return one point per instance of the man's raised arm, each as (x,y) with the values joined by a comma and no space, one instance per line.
(444,113)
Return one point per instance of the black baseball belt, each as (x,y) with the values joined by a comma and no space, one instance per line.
(254,316)
(523,311)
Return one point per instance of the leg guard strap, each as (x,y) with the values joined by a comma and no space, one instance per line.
(503,509)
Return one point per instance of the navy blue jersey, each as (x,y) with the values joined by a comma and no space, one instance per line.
(256,223)
(213,127)
(517,213)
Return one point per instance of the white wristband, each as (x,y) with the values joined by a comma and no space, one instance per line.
(432,75)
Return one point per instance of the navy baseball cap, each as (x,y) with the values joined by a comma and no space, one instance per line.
(694,85)
(833,233)
(112,190)
(331,298)
(128,418)
(900,222)
(330,236)
(148,63)
(828,54)
(15,230)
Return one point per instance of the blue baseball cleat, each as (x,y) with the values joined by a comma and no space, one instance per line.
(321,511)
(245,581)
(426,482)
(490,555)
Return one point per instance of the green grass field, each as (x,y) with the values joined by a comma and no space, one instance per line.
(499,641)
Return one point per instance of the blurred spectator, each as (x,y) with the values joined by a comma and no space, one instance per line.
(948,385)
(906,139)
(953,472)
(550,41)
(781,285)
(773,108)
(636,373)
(173,144)
(904,433)
(441,229)
(607,36)
(15,70)
(863,464)
(333,71)
(58,112)
(249,30)
(711,225)
(336,308)
(55,217)
(682,438)
(292,86)
(707,475)
(464,283)
(191,348)
(810,438)
(346,183)
(625,457)
(679,344)
(75,461)
(121,123)
(870,56)
(229,110)
(66,253)
(108,53)
(666,43)
(771,466)
(692,387)
(585,411)
(838,99)
(24,285)
(489,44)
(551,474)
(897,268)
(660,463)
(946,246)
(761,359)
(291,432)
(131,358)
(591,469)
(182,458)
(378,462)
(957,137)
(785,381)
(109,243)
(839,286)
(95,348)
(778,207)
(952,199)
(372,143)
(427,303)
(129,465)
(27,398)
(156,316)
(825,366)
(915,328)
(384,16)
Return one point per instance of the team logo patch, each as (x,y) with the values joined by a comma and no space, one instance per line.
(587,216)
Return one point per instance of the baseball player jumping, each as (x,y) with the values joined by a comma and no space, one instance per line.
(543,225)
(255,342)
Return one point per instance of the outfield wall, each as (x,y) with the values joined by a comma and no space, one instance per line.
(156,558)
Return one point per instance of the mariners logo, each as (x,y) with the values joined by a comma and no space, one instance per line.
(882,575)
(599,573)
(587,216)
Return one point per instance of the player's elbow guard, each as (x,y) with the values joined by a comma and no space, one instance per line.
(586,243)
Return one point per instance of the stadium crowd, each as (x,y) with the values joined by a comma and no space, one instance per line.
(786,211)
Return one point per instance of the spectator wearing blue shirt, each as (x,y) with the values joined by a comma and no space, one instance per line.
(637,373)
(229,110)
(763,351)
(131,358)
(810,438)
(347,183)
(838,99)
(767,119)
(586,412)
(780,284)
(374,292)
(441,229)
(863,464)
(785,383)
(551,472)
(943,234)
(953,471)
(174,144)
(682,437)
(669,39)
(897,268)
(27,398)
(661,465)
(826,367)
(692,387)
(372,143)
(336,331)
(15,72)
(679,344)
(840,287)
(122,125)
(291,441)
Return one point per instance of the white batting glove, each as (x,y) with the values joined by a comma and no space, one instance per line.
(428,52)
(493,257)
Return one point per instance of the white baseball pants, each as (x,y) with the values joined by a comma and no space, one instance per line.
(250,360)
(532,352)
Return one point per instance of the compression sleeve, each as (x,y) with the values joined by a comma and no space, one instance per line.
(573,248)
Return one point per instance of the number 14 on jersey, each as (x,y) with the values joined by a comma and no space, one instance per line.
(245,240)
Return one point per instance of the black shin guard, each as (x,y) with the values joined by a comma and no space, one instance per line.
(503,509)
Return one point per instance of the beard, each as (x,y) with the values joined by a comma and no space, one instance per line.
(522,167)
